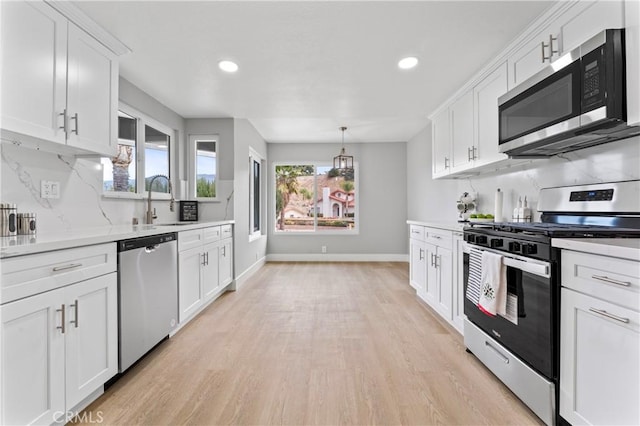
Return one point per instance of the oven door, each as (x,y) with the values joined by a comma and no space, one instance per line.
(527,329)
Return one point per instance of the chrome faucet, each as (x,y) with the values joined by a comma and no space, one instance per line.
(151,214)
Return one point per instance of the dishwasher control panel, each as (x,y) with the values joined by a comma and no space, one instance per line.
(152,240)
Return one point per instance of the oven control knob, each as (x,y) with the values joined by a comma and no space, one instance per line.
(514,247)
(481,239)
(529,249)
(496,242)
(470,238)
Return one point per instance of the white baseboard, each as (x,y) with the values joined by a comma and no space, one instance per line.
(337,257)
(243,277)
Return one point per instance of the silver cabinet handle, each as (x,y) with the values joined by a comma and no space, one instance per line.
(551,49)
(497,352)
(224,251)
(421,254)
(69,266)
(75,320)
(75,118)
(474,151)
(469,153)
(542,46)
(64,121)
(204,261)
(437,237)
(207,258)
(611,280)
(446,163)
(608,315)
(437,261)
(61,327)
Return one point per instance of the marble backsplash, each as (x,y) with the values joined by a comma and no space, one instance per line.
(81,203)
(615,161)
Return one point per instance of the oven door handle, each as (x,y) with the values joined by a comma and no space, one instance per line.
(539,269)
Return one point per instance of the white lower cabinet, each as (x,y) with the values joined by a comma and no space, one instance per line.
(431,269)
(58,348)
(205,264)
(600,339)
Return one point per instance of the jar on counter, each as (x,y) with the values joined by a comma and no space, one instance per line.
(8,220)
(26,223)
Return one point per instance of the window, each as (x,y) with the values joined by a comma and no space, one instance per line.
(138,162)
(255,194)
(315,198)
(204,166)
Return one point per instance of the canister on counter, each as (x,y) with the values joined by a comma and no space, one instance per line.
(8,220)
(26,223)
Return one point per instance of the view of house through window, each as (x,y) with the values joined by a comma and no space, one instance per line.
(314,198)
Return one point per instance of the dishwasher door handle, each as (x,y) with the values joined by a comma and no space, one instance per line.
(151,249)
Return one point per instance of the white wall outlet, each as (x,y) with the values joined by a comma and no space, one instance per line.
(324,249)
(49,189)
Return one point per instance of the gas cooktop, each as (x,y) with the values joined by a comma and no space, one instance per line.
(558,230)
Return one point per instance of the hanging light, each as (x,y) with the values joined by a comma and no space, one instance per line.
(343,161)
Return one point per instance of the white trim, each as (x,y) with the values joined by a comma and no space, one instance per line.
(337,257)
(192,165)
(248,273)
(255,156)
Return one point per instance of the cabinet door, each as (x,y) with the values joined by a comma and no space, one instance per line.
(226,262)
(32,368)
(431,282)
(92,94)
(33,57)
(485,99)
(190,292)
(444,265)
(417,266)
(91,337)
(458,282)
(589,18)
(441,143)
(599,367)
(534,55)
(210,278)
(462,132)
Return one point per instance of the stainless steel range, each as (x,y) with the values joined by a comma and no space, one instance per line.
(521,346)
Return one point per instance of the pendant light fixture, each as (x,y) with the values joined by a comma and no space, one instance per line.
(343,161)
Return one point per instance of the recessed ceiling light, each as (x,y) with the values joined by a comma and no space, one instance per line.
(408,62)
(228,66)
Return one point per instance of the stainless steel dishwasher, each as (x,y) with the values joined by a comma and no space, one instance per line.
(147,293)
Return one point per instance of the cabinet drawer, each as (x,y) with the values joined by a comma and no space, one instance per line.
(416,232)
(439,237)
(190,239)
(609,278)
(211,234)
(24,276)
(226,231)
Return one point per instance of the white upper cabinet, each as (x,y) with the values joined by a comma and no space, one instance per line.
(587,19)
(534,55)
(92,94)
(33,48)
(485,107)
(59,83)
(461,113)
(441,143)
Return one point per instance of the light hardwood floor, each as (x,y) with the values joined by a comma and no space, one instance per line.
(313,343)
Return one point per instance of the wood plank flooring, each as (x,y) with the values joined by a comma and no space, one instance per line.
(313,344)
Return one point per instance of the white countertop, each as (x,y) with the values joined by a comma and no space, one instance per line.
(625,248)
(48,241)
(448,225)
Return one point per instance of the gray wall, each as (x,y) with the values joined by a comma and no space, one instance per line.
(382,198)
(428,199)
(246,253)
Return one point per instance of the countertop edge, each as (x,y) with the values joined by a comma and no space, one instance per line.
(28,244)
(624,248)
(449,226)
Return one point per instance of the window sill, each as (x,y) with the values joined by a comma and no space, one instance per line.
(122,195)
(208,200)
(317,233)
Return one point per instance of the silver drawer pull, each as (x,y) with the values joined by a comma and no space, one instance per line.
(611,280)
(75,306)
(69,266)
(437,237)
(61,327)
(497,352)
(608,315)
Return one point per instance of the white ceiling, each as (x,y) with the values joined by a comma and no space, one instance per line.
(309,67)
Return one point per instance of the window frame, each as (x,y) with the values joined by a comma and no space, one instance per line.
(315,231)
(255,157)
(143,120)
(193,169)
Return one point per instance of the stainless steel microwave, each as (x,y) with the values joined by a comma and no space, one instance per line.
(576,102)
